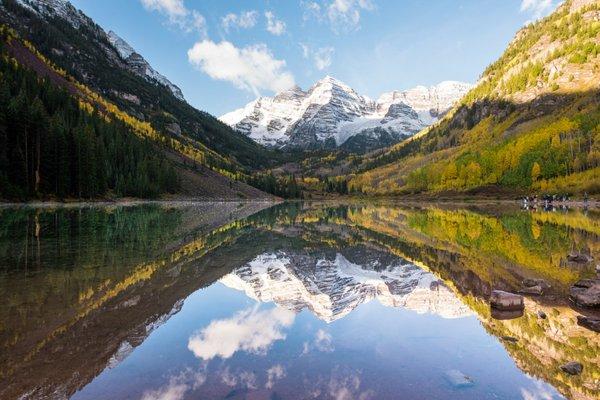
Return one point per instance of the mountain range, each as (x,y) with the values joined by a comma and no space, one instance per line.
(331,114)
(332,286)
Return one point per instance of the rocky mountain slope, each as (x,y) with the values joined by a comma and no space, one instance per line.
(139,65)
(332,114)
(108,66)
(531,123)
(331,287)
(106,76)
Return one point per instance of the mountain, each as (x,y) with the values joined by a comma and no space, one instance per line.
(73,42)
(332,114)
(118,93)
(531,124)
(139,65)
(332,286)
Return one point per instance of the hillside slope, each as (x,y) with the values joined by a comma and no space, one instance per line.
(77,45)
(59,139)
(532,123)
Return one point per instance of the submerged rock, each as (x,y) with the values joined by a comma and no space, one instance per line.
(458,379)
(589,323)
(580,258)
(506,301)
(572,368)
(586,293)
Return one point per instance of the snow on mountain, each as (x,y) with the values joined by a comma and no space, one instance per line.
(139,65)
(65,10)
(56,8)
(331,287)
(331,112)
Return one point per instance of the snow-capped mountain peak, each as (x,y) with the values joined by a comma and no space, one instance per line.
(330,113)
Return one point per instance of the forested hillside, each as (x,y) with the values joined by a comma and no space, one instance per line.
(76,45)
(49,145)
(532,123)
(59,139)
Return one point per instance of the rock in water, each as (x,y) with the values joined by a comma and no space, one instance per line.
(589,322)
(572,368)
(586,293)
(506,301)
(458,379)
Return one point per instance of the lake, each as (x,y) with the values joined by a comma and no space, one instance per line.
(314,300)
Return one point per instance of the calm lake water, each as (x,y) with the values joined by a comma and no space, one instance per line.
(293,301)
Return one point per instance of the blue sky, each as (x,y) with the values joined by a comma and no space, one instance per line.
(223,53)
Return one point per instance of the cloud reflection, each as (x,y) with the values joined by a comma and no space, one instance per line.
(250,330)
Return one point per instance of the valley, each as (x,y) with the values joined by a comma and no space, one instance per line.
(529,125)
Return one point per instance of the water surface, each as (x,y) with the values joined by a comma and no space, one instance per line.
(295,301)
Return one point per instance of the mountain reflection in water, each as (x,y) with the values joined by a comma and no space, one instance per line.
(299,300)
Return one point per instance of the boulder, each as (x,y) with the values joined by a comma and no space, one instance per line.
(534,290)
(572,368)
(541,314)
(590,323)
(506,301)
(531,282)
(586,293)
(174,128)
(579,258)
(505,315)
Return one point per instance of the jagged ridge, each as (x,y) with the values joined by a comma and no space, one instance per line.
(331,112)
(331,287)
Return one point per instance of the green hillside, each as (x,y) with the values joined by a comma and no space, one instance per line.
(532,123)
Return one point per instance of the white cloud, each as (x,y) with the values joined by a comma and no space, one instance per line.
(323,341)
(172,8)
(275,373)
(177,386)
(244,20)
(342,15)
(538,8)
(250,330)
(178,14)
(322,57)
(245,379)
(274,25)
(305,50)
(312,9)
(346,386)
